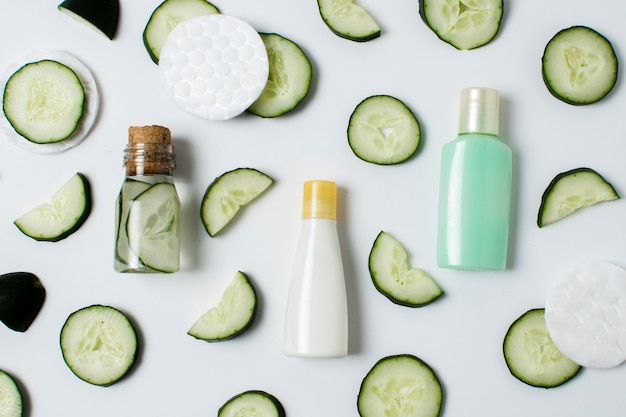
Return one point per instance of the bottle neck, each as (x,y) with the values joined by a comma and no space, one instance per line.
(149,159)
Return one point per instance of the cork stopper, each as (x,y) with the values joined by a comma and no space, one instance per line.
(149,134)
(149,151)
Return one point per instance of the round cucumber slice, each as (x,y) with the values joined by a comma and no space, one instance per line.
(11,402)
(463,24)
(153,227)
(391,275)
(63,215)
(99,344)
(21,297)
(99,15)
(400,385)
(165,18)
(531,355)
(233,314)
(289,79)
(44,101)
(228,193)
(253,403)
(348,20)
(383,130)
(572,190)
(579,66)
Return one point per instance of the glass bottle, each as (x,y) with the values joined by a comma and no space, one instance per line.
(147,210)
(475,188)
(316,321)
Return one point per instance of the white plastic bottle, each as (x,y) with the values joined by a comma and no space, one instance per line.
(316,322)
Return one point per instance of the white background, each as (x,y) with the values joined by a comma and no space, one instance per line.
(459,335)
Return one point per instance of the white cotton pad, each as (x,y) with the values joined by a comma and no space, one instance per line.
(214,66)
(586,314)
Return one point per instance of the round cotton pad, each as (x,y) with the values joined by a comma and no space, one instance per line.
(214,66)
(586,314)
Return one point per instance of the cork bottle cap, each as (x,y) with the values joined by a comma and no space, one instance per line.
(149,134)
(319,200)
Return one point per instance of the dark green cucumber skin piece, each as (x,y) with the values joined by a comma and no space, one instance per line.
(79,221)
(21,297)
(104,14)
(272,398)
(422,11)
(556,179)
(565,99)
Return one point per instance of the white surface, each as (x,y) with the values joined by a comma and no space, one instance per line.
(214,66)
(460,335)
(586,314)
(90,109)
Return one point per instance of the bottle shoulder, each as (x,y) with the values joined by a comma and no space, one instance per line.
(475,140)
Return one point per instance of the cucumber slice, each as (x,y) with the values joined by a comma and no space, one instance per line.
(228,193)
(11,402)
(392,277)
(131,188)
(153,227)
(165,18)
(289,79)
(99,15)
(383,130)
(464,24)
(586,314)
(21,297)
(63,215)
(233,314)
(348,20)
(531,355)
(44,101)
(99,344)
(573,190)
(400,385)
(579,66)
(253,403)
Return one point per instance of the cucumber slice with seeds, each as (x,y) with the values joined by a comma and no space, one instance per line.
(392,277)
(99,344)
(228,193)
(400,385)
(44,101)
(99,15)
(233,314)
(153,227)
(579,66)
(531,355)
(253,403)
(63,215)
(165,18)
(383,130)
(464,24)
(348,20)
(11,401)
(289,80)
(572,190)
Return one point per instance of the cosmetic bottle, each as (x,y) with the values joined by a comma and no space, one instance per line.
(316,321)
(475,188)
(147,210)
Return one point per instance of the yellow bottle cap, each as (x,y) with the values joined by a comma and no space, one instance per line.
(319,200)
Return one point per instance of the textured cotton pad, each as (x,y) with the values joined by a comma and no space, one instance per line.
(586,314)
(214,66)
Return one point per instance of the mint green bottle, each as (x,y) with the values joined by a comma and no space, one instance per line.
(475,188)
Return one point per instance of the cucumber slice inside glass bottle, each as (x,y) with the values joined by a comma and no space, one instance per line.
(153,228)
